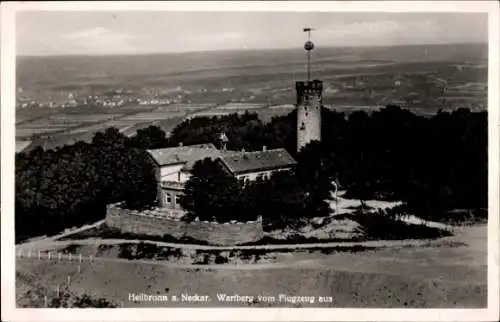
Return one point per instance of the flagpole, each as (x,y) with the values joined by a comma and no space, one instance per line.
(308,47)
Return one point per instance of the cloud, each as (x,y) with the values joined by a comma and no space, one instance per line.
(99,40)
(214,41)
(382,32)
(220,38)
(97,33)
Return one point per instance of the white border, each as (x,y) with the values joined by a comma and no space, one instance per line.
(10,313)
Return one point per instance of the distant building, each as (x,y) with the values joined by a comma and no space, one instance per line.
(174,166)
(173,169)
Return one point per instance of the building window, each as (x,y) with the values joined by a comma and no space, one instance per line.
(176,201)
(168,198)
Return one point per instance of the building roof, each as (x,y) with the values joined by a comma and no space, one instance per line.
(246,162)
(187,155)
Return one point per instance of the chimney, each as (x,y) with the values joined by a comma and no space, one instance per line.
(180,144)
(264,148)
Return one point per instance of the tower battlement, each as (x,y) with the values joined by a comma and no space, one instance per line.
(314,85)
(314,88)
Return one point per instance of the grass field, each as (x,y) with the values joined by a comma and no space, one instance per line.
(437,277)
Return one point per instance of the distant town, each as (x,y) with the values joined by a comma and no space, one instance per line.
(405,89)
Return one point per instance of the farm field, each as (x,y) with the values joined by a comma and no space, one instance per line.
(422,78)
(65,127)
(441,276)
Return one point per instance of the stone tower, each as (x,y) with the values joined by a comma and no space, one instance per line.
(309,103)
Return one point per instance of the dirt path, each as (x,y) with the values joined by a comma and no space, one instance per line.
(51,244)
(47,239)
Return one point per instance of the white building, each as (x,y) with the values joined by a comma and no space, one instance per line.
(174,165)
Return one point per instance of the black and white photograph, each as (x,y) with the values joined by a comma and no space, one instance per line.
(206,157)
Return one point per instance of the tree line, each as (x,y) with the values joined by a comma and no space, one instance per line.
(71,186)
(433,164)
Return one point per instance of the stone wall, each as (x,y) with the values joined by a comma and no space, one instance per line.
(214,233)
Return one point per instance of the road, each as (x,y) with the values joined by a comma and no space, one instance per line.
(54,244)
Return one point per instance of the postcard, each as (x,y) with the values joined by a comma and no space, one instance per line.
(253,161)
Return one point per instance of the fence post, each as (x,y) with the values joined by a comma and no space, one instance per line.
(69,257)
(79,269)
(39,255)
(80,257)
(58,291)
(29,253)
(48,255)
(69,280)
(59,257)
(90,258)
(45,300)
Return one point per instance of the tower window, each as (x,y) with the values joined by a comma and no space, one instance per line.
(307,114)
(302,126)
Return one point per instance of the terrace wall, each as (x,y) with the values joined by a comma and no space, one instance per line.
(226,234)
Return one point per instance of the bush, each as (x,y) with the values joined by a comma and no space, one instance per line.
(220,259)
(86,301)
(71,249)
(381,226)
(126,251)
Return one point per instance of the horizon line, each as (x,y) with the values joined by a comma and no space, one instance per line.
(245,50)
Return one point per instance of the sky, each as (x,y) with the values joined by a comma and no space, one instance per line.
(46,33)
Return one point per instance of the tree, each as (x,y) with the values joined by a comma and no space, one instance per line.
(211,193)
(71,186)
(285,202)
(141,189)
(152,137)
